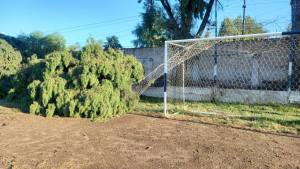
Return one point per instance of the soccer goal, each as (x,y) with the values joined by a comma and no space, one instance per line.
(258,68)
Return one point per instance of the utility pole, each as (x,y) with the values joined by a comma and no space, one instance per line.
(216,18)
(295,4)
(294,59)
(244,17)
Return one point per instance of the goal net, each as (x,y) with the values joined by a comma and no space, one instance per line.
(260,68)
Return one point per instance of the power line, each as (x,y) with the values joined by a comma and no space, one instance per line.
(92,24)
(111,33)
(237,5)
(104,26)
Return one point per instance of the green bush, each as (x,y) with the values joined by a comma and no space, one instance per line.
(97,84)
(14,87)
(10,63)
(10,59)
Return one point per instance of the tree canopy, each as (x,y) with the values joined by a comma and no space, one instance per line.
(172,19)
(112,42)
(40,44)
(152,32)
(234,26)
(14,42)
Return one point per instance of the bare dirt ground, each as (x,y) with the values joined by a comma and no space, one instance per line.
(137,142)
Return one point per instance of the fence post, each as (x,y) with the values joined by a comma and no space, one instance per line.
(290,65)
(290,70)
(183,82)
(165,77)
(215,72)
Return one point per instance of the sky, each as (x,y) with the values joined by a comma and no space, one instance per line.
(77,20)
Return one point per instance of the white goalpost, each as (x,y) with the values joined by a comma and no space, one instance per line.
(257,68)
(165,77)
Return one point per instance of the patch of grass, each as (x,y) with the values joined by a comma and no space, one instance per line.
(278,118)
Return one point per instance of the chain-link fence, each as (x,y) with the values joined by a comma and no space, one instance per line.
(261,68)
(245,69)
(237,79)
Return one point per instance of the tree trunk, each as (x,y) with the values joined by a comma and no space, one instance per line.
(205,19)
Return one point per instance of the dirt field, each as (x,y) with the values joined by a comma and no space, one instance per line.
(137,142)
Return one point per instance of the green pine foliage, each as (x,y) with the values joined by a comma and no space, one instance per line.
(10,63)
(10,59)
(97,84)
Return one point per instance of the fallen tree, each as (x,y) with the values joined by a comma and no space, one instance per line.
(94,84)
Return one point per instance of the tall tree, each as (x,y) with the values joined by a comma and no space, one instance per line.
(40,44)
(53,42)
(152,32)
(183,16)
(112,42)
(31,44)
(234,26)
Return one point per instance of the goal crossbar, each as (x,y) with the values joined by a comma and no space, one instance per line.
(234,37)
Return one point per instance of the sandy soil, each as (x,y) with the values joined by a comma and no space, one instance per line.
(136,142)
